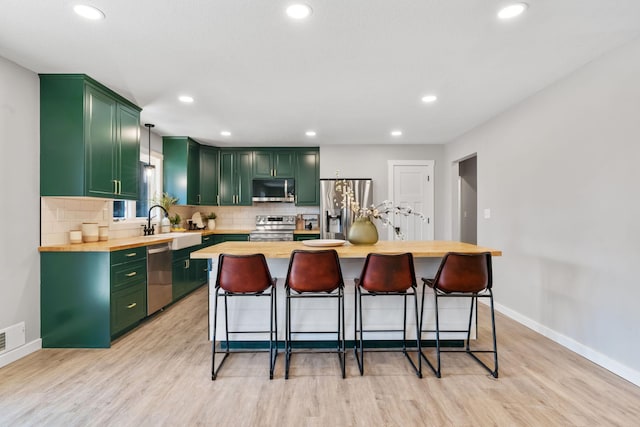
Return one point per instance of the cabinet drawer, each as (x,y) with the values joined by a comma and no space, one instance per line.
(128,255)
(128,306)
(131,273)
(207,241)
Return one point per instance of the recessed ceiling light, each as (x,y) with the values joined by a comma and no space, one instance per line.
(225,133)
(88,12)
(299,11)
(186,99)
(512,10)
(310,133)
(396,133)
(428,99)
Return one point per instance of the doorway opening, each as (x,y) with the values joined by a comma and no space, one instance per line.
(468,199)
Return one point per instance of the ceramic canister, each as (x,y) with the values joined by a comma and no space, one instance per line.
(75,236)
(103,233)
(90,232)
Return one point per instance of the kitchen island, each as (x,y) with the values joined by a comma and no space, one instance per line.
(380,313)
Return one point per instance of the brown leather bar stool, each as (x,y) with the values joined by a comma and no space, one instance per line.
(315,274)
(244,276)
(463,275)
(386,275)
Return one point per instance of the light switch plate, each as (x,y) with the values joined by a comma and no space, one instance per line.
(487,213)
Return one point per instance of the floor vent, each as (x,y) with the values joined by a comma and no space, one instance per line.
(12,337)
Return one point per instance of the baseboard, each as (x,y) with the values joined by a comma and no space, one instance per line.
(596,357)
(20,352)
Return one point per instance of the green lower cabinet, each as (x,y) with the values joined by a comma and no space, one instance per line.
(305,236)
(180,273)
(89,298)
(188,274)
(128,306)
(221,238)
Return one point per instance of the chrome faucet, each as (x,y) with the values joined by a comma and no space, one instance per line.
(149,229)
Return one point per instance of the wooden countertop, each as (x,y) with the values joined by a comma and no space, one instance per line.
(128,242)
(419,249)
(228,231)
(109,245)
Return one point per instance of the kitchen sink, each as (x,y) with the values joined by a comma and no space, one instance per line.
(184,240)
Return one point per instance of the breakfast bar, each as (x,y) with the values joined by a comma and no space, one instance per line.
(381,314)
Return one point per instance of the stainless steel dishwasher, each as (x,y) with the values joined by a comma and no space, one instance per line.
(159,283)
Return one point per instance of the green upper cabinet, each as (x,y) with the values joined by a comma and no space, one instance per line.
(235,177)
(308,177)
(208,175)
(129,152)
(190,171)
(273,163)
(181,169)
(89,139)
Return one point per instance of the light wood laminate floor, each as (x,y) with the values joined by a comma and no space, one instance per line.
(160,375)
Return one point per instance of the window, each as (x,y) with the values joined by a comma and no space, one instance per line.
(150,181)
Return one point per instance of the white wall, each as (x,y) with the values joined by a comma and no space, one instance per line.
(559,173)
(20,211)
(370,161)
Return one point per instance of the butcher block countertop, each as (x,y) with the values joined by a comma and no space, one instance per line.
(419,249)
(127,242)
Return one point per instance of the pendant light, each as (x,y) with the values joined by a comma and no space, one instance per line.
(148,168)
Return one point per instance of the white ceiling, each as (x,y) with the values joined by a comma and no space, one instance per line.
(353,72)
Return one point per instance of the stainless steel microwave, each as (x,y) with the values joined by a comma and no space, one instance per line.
(274,190)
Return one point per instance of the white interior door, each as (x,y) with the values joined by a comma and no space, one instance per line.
(411,185)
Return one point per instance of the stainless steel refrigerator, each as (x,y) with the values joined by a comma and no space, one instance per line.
(335,220)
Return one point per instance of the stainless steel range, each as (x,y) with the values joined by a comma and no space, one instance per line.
(273,228)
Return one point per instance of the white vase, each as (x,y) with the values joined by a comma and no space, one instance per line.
(211,224)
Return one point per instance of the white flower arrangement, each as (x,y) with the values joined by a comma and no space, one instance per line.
(385,212)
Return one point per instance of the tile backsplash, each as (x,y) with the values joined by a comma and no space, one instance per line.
(61,215)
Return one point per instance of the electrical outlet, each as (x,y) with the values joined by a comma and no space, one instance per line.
(487,213)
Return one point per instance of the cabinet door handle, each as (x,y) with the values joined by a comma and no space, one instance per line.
(115,186)
(186,263)
(218,199)
(119,187)
(198,199)
(133,304)
(275,172)
(133,273)
(130,254)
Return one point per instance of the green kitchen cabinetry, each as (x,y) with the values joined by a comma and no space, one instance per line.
(269,163)
(89,298)
(89,139)
(221,238)
(307,178)
(235,177)
(181,169)
(201,266)
(298,237)
(188,274)
(190,171)
(208,176)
